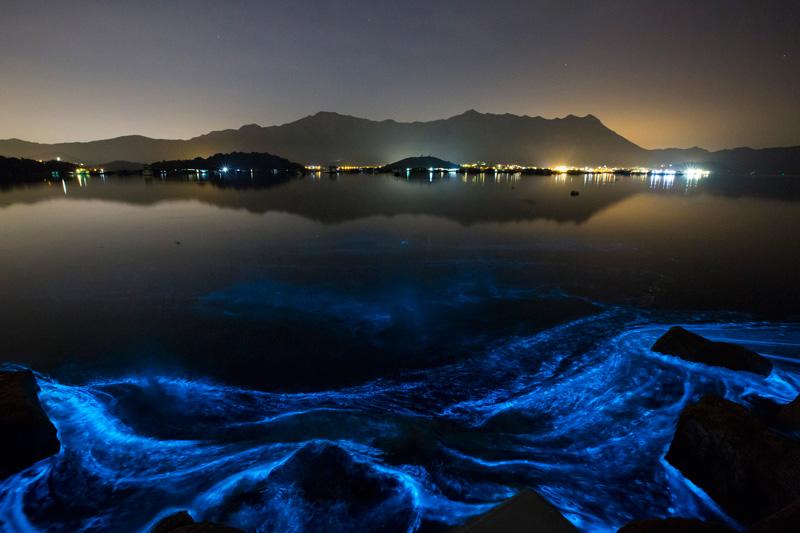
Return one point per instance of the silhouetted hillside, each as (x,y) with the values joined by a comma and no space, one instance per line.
(233,162)
(420,163)
(330,137)
(15,170)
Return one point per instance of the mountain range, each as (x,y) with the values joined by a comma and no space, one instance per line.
(330,138)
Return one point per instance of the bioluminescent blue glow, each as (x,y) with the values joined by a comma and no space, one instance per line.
(582,413)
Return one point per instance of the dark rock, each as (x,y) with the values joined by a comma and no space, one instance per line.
(321,487)
(673,525)
(789,415)
(766,409)
(172,522)
(27,435)
(525,512)
(787,520)
(750,470)
(574,193)
(783,417)
(326,473)
(182,522)
(692,347)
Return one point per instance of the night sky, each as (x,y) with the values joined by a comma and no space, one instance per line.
(716,73)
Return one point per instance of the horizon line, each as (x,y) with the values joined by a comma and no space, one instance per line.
(323,112)
(345,115)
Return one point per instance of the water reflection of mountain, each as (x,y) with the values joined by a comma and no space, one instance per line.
(464,199)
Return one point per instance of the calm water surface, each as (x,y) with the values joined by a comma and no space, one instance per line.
(450,340)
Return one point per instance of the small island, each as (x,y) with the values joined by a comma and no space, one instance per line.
(228,164)
(421,164)
(18,170)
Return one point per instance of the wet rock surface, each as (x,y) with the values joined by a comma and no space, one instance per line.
(682,343)
(788,415)
(326,473)
(749,469)
(182,522)
(322,487)
(26,433)
(674,525)
(787,520)
(525,512)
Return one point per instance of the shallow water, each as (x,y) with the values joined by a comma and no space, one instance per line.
(450,342)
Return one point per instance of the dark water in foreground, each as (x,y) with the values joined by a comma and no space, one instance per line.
(444,343)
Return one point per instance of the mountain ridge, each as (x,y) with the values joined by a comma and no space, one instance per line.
(330,137)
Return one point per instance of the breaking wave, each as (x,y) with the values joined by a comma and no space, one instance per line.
(582,413)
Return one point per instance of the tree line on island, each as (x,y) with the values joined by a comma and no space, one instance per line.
(17,170)
(226,167)
(229,163)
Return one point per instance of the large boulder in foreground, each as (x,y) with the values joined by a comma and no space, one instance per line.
(750,470)
(182,522)
(673,525)
(26,434)
(525,512)
(788,416)
(682,343)
(324,473)
(787,520)
(322,486)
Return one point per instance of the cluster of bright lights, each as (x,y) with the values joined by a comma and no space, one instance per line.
(696,173)
(480,165)
(509,167)
(664,172)
(350,168)
(690,173)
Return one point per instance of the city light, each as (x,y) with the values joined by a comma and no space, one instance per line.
(696,173)
(663,172)
(561,169)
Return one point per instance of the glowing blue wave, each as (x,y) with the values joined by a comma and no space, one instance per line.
(582,412)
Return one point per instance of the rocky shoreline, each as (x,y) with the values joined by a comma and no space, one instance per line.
(28,435)
(747,459)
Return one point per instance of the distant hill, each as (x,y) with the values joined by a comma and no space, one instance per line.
(15,170)
(233,162)
(328,138)
(420,163)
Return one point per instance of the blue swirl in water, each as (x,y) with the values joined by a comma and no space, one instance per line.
(582,413)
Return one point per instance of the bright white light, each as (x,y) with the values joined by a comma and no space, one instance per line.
(663,172)
(224,169)
(696,173)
